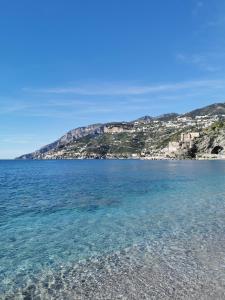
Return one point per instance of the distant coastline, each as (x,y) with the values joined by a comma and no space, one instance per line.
(199,134)
(161,158)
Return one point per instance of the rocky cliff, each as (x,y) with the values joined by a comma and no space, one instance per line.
(212,141)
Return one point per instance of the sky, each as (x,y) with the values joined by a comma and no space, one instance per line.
(70,63)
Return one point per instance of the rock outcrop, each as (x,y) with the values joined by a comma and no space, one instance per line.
(212,142)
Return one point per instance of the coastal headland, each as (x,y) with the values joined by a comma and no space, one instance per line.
(199,134)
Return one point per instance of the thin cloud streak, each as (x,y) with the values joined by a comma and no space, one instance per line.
(105,99)
(210,62)
(122,90)
(17,106)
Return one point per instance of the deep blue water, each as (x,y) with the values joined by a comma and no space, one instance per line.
(56,213)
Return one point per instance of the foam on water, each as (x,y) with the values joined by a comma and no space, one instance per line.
(112,229)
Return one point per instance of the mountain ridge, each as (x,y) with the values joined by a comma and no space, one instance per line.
(146,134)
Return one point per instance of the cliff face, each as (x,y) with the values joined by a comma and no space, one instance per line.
(212,141)
(145,137)
(80,132)
(66,139)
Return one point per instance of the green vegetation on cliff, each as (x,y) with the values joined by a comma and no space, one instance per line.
(145,136)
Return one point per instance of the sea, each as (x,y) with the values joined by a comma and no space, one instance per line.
(112,229)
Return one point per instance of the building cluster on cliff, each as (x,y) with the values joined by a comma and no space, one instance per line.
(165,137)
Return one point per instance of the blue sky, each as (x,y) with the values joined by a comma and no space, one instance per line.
(65,64)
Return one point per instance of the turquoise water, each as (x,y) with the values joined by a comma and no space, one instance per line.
(58,215)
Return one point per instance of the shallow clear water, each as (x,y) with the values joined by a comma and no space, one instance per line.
(58,215)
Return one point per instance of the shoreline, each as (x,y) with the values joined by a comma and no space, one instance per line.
(122,158)
(178,269)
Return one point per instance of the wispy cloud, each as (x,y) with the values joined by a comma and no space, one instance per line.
(124,89)
(84,101)
(38,107)
(210,62)
(219,22)
(17,139)
(198,5)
